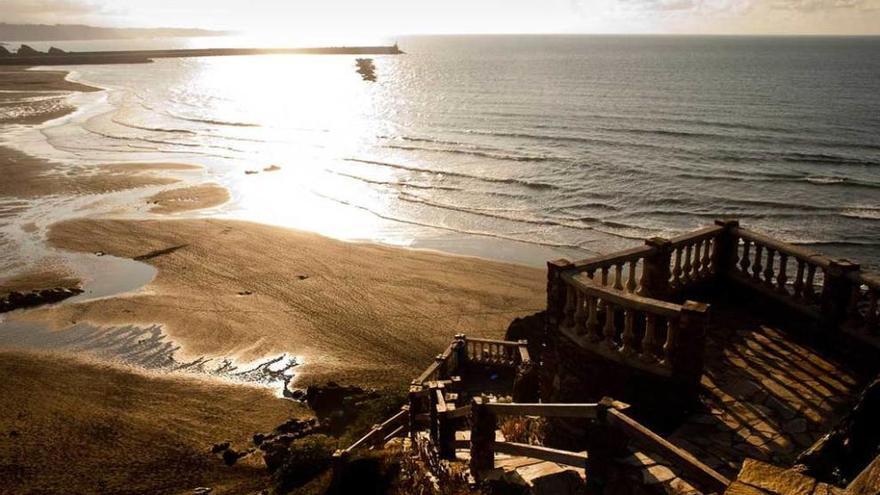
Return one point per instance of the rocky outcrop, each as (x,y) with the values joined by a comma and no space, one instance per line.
(19,300)
(851,446)
(4,52)
(56,51)
(27,51)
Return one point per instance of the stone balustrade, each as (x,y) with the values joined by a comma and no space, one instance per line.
(623,306)
(639,331)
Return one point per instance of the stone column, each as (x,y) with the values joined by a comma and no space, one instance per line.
(655,272)
(603,446)
(726,251)
(415,407)
(837,292)
(483,426)
(555,292)
(687,359)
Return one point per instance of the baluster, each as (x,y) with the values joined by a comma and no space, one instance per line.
(649,342)
(609,329)
(810,286)
(688,265)
(745,262)
(707,256)
(629,335)
(631,278)
(756,267)
(799,279)
(591,272)
(676,269)
(604,276)
(768,271)
(671,341)
(568,311)
(698,260)
(618,276)
(580,315)
(593,319)
(782,278)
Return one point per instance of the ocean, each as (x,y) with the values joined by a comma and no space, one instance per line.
(520,148)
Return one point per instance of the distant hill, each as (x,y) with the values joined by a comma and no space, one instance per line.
(59,32)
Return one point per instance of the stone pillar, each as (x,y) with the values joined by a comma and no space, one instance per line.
(687,359)
(555,292)
(603,446)
(445,435)
(837,292)
(655,272)
(415,407)
(525,384)
(726,251)
(459,354)
(483,426)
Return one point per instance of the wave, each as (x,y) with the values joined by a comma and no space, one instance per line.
(494,235)
(153,129)
(415,185)
(545,222)
(521,182)
(228,123)
(472,152)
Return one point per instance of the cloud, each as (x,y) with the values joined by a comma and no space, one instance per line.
(49,11)
(824,5)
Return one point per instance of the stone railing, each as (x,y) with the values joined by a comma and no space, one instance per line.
(693,257)
(621,305)
(642,332)
(863,311)
(610,434)
(787,273)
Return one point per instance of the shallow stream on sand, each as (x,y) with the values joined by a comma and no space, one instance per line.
(145,347)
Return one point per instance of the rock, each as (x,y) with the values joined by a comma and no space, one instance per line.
(272,168)
(656,474)
(56,51)
(219,447)
(27,51)
(231,456)
(258,438)
(329,398)
(274,455)
(251,172)
(531,329)
(202,490)
(4,52)
(295,426)
(775,479)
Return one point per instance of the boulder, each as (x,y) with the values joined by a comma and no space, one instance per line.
(56,51)
(4,52)
(219,447)
(329,398)
(27,51)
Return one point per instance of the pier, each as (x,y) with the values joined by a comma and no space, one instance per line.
(32,58)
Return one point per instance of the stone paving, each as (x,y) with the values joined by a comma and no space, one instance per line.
(765,396)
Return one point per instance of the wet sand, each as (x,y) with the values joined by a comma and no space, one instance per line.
(33,97)
(188,198)
(75,426)
(356,313)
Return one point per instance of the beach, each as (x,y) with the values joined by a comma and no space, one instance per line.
(352,312)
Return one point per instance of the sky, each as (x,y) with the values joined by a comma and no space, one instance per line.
(353,18)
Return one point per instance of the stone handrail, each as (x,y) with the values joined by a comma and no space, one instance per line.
(863,310)
(693,257)
(379,433)
(790,274)
(650,334)
(610,426)
(622,270)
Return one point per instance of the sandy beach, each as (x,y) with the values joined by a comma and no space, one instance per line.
(356,313)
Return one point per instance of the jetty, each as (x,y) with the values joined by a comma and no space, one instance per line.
(30,57)
(719,361)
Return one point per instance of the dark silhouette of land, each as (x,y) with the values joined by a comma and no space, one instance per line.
(28,56)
